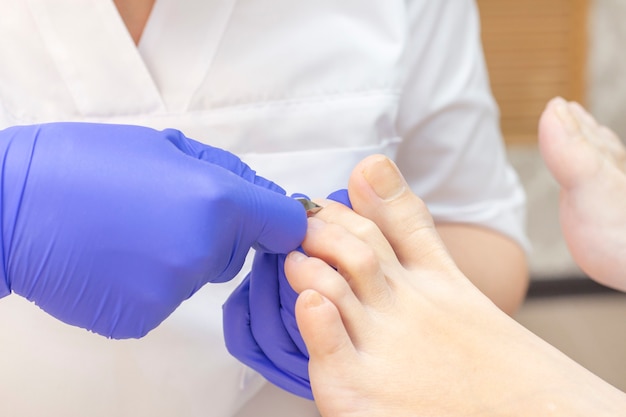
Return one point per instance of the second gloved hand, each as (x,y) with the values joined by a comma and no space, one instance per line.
(260,326)
(111,227)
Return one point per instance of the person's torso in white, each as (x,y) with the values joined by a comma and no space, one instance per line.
(301,91)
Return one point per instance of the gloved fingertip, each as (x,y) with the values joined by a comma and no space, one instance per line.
(300,195)
(285,226)
(341,196)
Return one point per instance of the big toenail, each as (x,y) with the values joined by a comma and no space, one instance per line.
(568,120)
(385,178)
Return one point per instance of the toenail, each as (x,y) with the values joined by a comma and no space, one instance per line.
(296,256)
(313,299)
(568,120)
(385,179)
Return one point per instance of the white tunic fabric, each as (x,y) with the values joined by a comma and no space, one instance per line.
(301,91)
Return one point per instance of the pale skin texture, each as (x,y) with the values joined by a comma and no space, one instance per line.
(398,330)
(483,255)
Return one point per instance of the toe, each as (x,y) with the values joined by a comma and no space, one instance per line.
(569,155)
(322,329)
(310,273)
(379,192)
(356,260)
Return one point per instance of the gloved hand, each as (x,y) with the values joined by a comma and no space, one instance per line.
(111,227)
(260,325)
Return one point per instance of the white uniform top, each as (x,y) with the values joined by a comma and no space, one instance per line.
(301,91)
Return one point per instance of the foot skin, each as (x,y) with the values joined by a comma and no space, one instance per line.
(393,328)
(589,163)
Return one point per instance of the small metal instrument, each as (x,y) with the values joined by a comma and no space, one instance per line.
(310,207)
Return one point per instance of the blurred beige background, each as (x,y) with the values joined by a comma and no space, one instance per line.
(572,48)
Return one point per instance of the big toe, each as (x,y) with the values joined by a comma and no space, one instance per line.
(379,192)
(566,143)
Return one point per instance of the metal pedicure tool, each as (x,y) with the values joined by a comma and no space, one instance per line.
(310,207)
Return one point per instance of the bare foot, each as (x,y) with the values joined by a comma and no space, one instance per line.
(394,329)
(589,163)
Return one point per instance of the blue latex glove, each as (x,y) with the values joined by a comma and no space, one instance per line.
(111,227)
(260,325)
